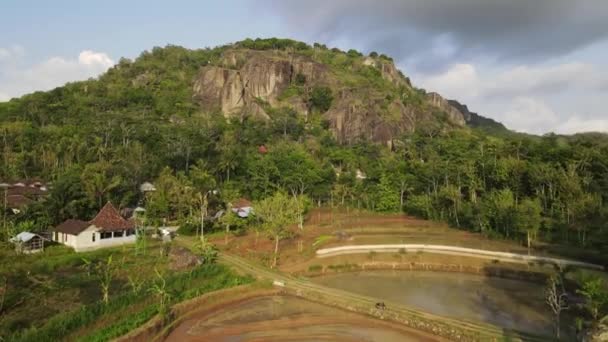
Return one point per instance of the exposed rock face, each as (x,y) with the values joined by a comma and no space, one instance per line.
(246,82)
(454,115)
(355,116)
(393,75)
(238,90)
(474,119)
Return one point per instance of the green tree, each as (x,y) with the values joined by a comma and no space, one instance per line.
(276,214)
(528,219)
(321,99)
(596,297)
(99,180)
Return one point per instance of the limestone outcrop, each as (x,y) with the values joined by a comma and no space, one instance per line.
(247,83)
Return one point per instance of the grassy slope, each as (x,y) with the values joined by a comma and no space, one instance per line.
(51,295)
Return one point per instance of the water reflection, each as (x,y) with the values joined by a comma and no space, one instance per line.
(511,304)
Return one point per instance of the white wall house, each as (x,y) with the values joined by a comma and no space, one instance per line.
(107,229)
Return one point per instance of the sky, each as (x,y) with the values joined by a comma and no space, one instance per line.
(537,66)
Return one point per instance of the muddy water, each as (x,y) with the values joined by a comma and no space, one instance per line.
(506,303)
(283,318)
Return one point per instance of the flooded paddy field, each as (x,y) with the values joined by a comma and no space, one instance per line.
(507,303)
(286,318)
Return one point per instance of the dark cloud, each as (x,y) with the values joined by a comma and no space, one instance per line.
(433,32)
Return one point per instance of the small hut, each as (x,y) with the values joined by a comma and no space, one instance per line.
(26,242)
(147,187)
(242,207)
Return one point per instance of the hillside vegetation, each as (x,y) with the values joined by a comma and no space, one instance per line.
(342,129)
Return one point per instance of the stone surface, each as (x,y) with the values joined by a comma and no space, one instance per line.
(246,83)
(181,259)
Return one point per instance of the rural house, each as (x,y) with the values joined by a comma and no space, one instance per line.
(107,229)
(242,207)
(17,195)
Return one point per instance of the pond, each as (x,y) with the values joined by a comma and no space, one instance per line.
(285,318)
(511,304)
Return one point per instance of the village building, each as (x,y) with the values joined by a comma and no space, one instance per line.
(147,187)
(106,229)
(242,207)
(26,242)
(17,195)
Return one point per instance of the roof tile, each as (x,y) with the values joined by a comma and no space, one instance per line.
(108,219)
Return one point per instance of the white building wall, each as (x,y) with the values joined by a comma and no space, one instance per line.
(84,240)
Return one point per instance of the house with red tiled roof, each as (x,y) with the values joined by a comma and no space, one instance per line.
(108,228)
(17,195)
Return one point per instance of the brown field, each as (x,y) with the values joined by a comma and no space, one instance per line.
(323,226)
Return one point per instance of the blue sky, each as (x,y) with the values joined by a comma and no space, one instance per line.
(537,66)
(125,28)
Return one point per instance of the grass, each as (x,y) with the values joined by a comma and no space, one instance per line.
(124,326)
(115,318)
(51,294)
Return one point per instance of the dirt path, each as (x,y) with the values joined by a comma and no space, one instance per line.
(451,250)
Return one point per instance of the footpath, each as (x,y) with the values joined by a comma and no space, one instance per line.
(450,250)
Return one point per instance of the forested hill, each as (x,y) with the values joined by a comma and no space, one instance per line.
(191,120)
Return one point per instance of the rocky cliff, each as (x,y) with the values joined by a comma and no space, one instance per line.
(372,99)
(474,119)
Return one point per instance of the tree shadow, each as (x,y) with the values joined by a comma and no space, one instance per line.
(515,301)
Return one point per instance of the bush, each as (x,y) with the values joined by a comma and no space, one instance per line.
(321,99)
(181,286)
(354,53)
(188,229)
(300,79)
(315,268)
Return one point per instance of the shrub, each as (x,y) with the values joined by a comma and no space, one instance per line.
(354,53)
(321,240)
(321,99)
(315,268)
(300,79)
(188,229)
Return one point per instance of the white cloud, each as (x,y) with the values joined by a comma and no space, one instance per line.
(465,80)
(460,81)
(11,52)
(532,115)
(534,99)
(576,124)
(92,58)
(17,79)
(545,79)
(4,97)
(529,115)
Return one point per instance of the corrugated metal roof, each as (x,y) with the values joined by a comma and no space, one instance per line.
(23,237)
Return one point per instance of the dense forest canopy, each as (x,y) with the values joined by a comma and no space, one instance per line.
(97,140)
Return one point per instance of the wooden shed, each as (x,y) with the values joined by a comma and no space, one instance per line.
(26,242)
